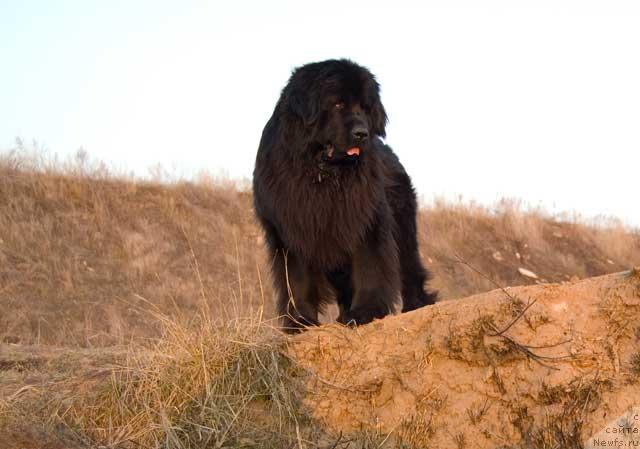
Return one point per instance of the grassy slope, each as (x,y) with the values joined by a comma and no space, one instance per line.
(81,251)
(90,260)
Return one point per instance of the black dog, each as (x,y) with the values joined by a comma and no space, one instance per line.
(337,207)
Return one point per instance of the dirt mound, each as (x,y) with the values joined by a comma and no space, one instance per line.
(547,366)
(535,366)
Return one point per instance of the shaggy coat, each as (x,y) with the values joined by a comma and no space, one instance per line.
(336,205)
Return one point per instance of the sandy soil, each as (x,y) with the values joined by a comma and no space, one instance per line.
(536,366)
(545,366)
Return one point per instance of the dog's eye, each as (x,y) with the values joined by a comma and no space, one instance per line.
(339,105)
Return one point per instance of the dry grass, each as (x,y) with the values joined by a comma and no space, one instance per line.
(501,239)
(202,384)
(171,275)
(564,428)
(81,248)
(218,385)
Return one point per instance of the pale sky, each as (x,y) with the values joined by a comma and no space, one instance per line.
(537,100)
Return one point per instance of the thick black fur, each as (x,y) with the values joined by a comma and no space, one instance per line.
(340,226)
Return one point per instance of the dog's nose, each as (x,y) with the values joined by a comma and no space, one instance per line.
(360,132)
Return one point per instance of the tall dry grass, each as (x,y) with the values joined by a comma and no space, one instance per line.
(499,240)
(207,384)
(82,247)
(202,384)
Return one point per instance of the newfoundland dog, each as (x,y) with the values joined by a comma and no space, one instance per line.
(337,207)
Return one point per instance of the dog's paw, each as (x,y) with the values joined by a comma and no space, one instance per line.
(362,315)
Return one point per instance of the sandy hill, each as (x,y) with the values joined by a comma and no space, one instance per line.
(138,314)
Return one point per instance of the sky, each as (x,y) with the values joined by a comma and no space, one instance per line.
(535,100)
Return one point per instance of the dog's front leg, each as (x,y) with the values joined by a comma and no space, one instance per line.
(375,277)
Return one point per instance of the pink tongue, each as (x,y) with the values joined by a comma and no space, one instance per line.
(355,151)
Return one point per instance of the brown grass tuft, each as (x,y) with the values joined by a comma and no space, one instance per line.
(217,385)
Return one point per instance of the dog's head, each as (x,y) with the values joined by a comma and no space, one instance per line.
(336,110)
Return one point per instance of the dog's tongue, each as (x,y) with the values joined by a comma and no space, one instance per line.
(355,151)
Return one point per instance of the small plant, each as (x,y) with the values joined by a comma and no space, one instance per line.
(427,354)
(478,329)
(477,412)
(552,395)
(417,430)
(635,366)
(460,440)
(497,381)
(453,343)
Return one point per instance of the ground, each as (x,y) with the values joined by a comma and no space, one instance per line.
(536,366)
(139,314)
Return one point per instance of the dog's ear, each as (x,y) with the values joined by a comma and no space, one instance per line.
(304,105)
(378,119)
(378,115)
